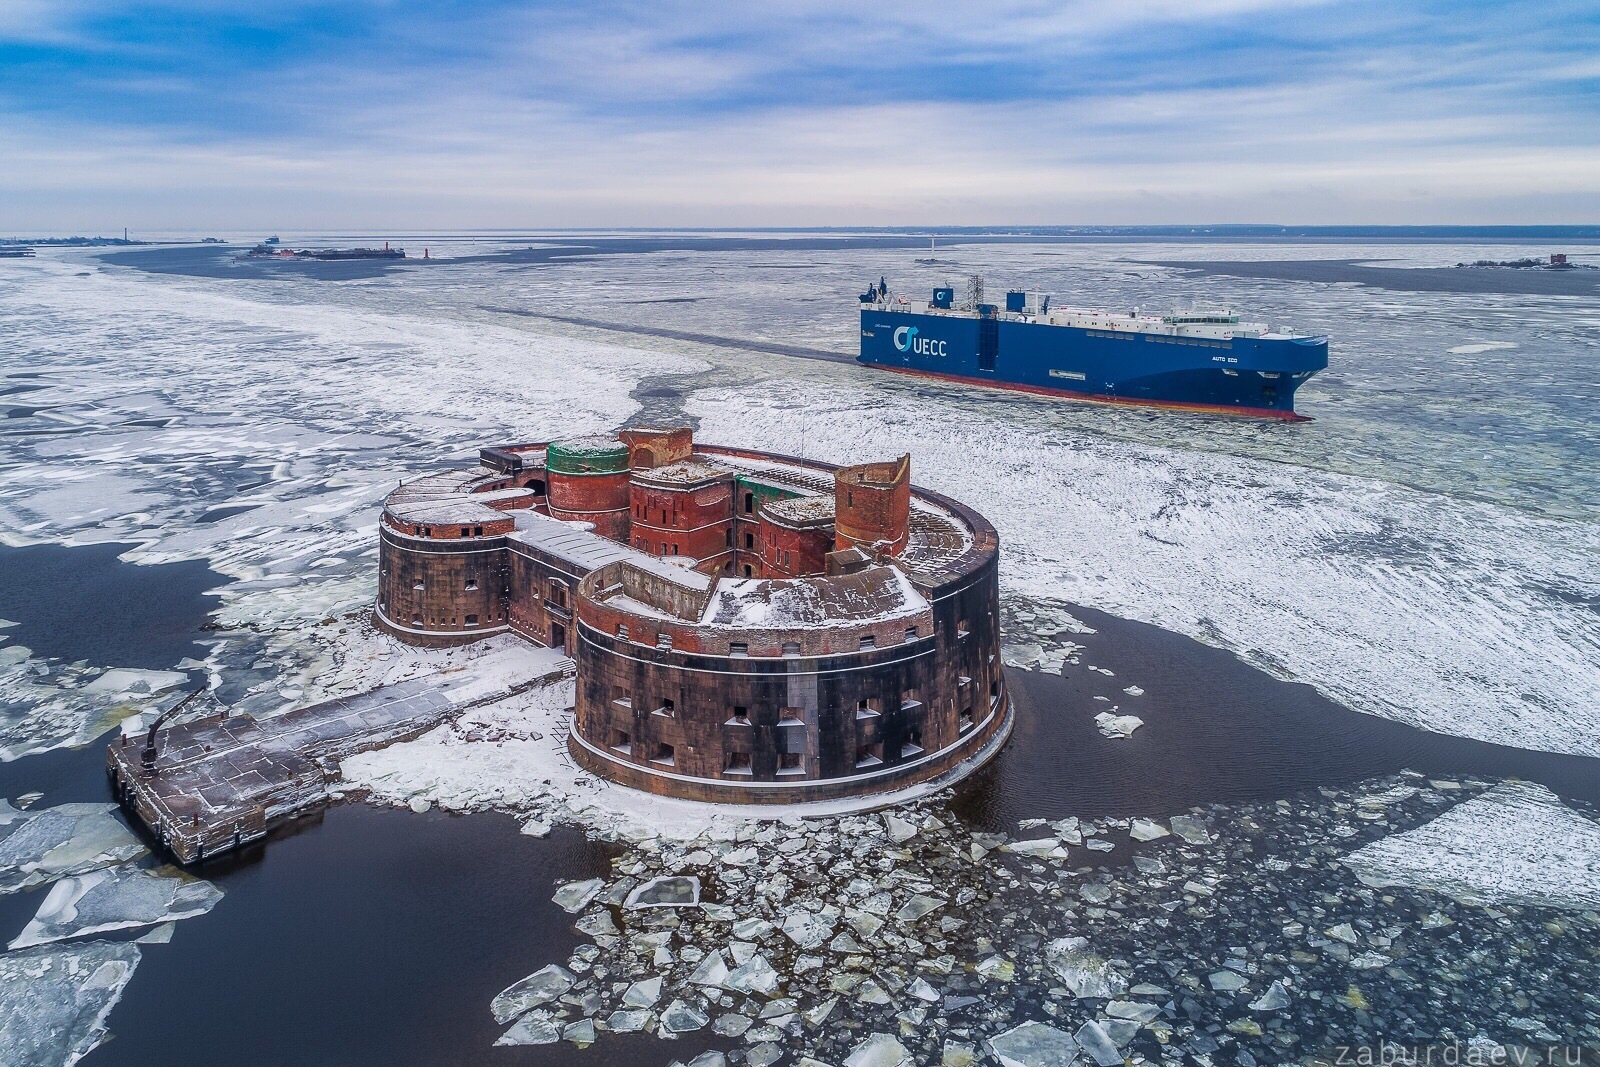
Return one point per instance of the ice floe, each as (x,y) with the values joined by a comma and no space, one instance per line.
(54,1000)
(40,846)
(1410,605)
(119,899)
(1516,843)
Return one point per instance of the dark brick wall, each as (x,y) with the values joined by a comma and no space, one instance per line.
(432,587)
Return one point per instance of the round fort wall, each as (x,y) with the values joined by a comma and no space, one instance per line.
(700,721)
(588,479)
(440,592)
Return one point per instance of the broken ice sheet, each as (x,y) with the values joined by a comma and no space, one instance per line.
(56,1000)
(38,847)
(1032,1044)
(1515,844)
(540,987)
(116,900)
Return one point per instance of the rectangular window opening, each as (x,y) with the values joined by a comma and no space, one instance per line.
(664,754)
(738,763)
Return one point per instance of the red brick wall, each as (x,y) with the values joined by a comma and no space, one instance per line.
(598,498)
(872,505)
(793,552)
(698,520)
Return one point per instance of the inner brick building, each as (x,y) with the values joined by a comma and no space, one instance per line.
(747,627)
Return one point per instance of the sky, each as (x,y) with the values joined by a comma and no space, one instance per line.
(411,114)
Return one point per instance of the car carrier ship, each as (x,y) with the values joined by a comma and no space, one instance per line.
(1193,362)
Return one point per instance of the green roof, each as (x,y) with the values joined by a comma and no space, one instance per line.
(595,454)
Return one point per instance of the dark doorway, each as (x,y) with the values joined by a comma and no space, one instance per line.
(558,636)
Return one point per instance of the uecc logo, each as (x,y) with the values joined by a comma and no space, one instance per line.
(906,340)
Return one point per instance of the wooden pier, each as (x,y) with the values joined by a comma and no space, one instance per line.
(221,782)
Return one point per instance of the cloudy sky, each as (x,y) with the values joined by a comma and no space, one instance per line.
(416,114)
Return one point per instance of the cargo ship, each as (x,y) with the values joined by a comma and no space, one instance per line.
(1213,363)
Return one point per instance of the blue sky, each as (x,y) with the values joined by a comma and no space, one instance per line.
(411,114)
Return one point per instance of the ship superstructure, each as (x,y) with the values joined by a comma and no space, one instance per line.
(1214,362)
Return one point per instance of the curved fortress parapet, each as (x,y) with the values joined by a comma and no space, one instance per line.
(754,628)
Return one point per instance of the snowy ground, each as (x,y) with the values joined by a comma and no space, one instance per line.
(512,756)
(1515,844)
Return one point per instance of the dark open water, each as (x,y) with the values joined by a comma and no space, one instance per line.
(380,936)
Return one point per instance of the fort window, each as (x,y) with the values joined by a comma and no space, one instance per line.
(749,571)
(966,720)
(741,716)
(866,710)
(738,648)
(663,755)
(620,697)
(791,648)
(674,549)
(738,763)
(477,531)
(466,531)
(749,540)
(869,642)
(749,503)
(791,763)
(909,701)
(472,583)
(416,620)
(622,742)
(622,630)
(849,499)
(663,640)
(792,717)
(911,633)
(417,585)
(963,629)
(472,620)
(558,593)
(869,755)
(667,709)
(912,745)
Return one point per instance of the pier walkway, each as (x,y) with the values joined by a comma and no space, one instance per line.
(224,781)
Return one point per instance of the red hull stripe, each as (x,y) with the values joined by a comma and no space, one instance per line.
(1090,398)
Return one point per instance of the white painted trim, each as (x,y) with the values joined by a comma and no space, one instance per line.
(896,769)
(582,636)
(477,631)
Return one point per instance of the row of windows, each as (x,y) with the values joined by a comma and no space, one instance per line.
(740,649)
(1206,342)
(418,619)
(791,759)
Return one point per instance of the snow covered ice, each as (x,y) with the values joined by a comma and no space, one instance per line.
(1516,843)
(40,846)
(54,1000)
(105,900)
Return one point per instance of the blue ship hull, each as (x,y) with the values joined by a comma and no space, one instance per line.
(1254,376)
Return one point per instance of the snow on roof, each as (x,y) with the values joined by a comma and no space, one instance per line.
(581,546)
(448,497)
(698,469)
(802,509)
(876,594)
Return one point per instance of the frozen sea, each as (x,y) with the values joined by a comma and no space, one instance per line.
(193,449)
